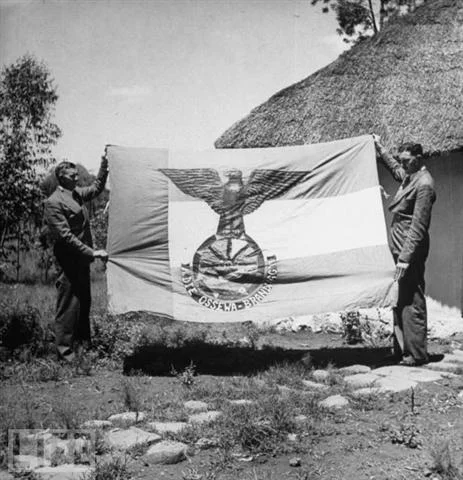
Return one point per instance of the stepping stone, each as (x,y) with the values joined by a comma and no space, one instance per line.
(458,353)
(452,358)
(460,396)
(124,439)
(300,419)
(417,374)
(242,401)
(196,406)
(361,380)
(204,417)
(167,427)
(395,384)
(166,453)
(334,402)
(97,424)
(320,375)
(353,369)
(367,392)
(315,385)
(206,443)
(440,367)
(284,390)
(127,418)
(29,462)
(63,472)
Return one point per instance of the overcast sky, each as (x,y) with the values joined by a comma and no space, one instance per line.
(163,73)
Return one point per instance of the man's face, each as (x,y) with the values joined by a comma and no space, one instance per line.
(69,178)
(409,162)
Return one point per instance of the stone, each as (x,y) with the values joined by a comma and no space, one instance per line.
(167,427)
(314,385)
(166,453)
(295,462)
(123,439)
(204,417)
(460,396)
(242,401)
(284,390)
(458,353)
(97,424)
(292,437)
(30,462)
(300,419)
(196,406)
(127,418)
(361,380)
(206,443)
(353,369)
(320,375)
(453,358)
(395,384)
(416,374)
(440,367)
(63,472)
(334,402)
(367,392)
(68,448)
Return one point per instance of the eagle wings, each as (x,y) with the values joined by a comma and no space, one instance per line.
(206,184)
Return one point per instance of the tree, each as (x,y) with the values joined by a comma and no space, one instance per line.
(27,133)
(358,19)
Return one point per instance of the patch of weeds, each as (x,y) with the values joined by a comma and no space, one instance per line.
(114,337)
(369,402)
(407,434)
(289,374)
(114,469)
(258,428)
(137,450)
(444,462)
(67,413)
(131,396)
(187,376)
(252,333)
(351,330)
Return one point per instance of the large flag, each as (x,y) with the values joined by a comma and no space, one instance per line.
(251,234)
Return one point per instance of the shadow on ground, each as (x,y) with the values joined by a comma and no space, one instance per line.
(223,360)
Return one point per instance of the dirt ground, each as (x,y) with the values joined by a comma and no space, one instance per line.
(395,436)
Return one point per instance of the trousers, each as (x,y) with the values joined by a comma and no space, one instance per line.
(410,314)
(72,322)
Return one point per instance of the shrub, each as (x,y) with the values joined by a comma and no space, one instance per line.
(19,326)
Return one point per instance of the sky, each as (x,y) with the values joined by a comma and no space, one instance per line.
(163,73)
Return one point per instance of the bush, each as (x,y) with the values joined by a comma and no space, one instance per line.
(20,326)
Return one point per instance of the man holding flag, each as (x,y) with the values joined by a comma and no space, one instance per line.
(411,209)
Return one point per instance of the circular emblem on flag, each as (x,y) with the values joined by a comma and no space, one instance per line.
(229,273)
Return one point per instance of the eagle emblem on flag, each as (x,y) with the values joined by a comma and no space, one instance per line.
(229,271)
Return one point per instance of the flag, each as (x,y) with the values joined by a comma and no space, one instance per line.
(247,234)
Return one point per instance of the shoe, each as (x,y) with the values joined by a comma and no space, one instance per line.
(409,361)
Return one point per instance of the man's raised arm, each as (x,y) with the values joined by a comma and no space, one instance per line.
(388,160)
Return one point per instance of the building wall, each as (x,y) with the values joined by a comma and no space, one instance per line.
(444,268)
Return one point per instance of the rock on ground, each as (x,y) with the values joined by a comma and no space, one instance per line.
(334,401)
(353,369)
(196,406)
(97,424)
(127,418)
(314,385)
(320,375)
(167,427)
(242,401)
(123,439)
(30,462)
(166,453)
(361,380)
(204,417)
(63,472)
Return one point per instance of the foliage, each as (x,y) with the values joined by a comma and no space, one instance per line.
(27,101)
(357,19)
(187,376)
(351,327)
(114,469)
(20,325)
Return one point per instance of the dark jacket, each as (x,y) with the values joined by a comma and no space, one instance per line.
(68,220)
(411,208)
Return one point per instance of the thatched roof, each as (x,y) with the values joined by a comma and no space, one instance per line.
(406,84)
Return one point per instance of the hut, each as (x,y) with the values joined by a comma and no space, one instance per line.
(405,84)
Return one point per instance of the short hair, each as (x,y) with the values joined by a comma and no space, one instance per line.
(415,149)
(61,168)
